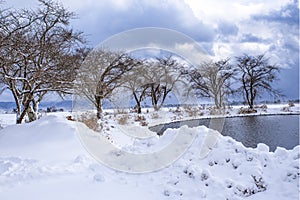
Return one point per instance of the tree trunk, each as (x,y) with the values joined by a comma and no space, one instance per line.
(21,116)
(99,107)
(216,101)
(139,108)
(154,103)
(138,103)
(19,119)
(165,94)
(32,116)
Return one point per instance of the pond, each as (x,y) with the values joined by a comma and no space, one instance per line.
(273,130)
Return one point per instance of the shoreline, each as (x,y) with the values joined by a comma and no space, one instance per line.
(225,116)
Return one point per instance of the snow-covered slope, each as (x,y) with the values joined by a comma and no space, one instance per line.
(46,160)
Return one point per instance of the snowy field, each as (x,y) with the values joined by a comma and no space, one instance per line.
(46,160)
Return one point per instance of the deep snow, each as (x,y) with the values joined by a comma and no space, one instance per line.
(46,160)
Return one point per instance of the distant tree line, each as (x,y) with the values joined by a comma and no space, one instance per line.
(41,53)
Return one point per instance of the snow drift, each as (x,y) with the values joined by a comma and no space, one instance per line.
(46,160)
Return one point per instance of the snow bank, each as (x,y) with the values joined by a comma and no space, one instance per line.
(45,160)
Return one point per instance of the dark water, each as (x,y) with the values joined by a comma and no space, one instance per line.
(273,130)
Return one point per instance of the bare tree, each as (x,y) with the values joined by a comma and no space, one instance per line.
(101,73)
(135,82)
(162,76)
(256,76)
(38,54)
(212,79)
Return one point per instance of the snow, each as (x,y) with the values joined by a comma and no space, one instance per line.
(47,159)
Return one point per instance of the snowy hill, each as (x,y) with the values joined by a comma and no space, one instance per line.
(46,160)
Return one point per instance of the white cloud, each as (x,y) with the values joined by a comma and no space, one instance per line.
(192,52)
(214,10)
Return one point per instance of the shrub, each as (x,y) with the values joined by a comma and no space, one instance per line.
(175,118)
(230,108)
(264,107)
(286,109)
(89,119)
(177,110)
(123,119)
(291,104)
(155,115)
(120,112)
(139,118)
(216,111)
(191,111)
(144,123)
(51,109)
(243,110)
(70,118)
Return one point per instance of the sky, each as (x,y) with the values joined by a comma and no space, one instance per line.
(222,28)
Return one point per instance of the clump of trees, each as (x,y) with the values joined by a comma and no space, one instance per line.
(249,75)
(41,53)
(154,79)
(104,71)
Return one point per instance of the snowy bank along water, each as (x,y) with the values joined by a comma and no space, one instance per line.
(46,160)
(275,130)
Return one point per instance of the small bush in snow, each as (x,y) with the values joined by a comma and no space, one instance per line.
(191,111)
(243,110)
(155,115)
(258,186)
(90,120)
(176,118)
(139,118)
(291,104)
(120,112)
(144,123)
(286,109)
(216,111)
(229,108)
(177,110)
(123,119)
(264,107)
(70,118)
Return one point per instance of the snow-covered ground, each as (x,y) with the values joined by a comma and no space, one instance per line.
(47,160)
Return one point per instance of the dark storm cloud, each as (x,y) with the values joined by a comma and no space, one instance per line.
(285,45)
(288,14)
(252,38)
(227,28)
(289,82)
(105,21)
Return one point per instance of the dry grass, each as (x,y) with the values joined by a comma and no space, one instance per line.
(216,111)
(123,119)
(90,120)
(243,110)
(120,112)
(191,111)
